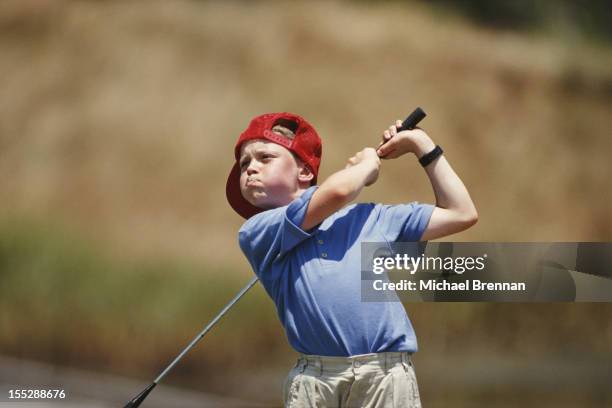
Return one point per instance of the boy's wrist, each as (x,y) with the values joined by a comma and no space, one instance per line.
(364,169)
(423,145)
(372,167)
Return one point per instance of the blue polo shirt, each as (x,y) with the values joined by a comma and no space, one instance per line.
(314,277)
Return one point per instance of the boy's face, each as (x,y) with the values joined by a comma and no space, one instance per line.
(270,176)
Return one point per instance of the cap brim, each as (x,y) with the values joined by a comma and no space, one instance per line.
(234,196)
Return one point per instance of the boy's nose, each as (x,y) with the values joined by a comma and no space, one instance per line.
(251,169)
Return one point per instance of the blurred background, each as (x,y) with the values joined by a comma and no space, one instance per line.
(117,127)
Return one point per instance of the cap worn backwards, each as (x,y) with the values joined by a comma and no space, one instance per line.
(306,144)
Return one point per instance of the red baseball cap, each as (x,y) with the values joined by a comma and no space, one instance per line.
(306,145)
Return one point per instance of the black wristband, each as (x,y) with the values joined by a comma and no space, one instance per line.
(431,156)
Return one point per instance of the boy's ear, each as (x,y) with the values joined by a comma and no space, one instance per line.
(305,175)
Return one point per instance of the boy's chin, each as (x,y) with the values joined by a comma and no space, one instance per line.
(264,203)
(258,200)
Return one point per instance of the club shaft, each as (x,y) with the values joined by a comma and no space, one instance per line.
(206,329)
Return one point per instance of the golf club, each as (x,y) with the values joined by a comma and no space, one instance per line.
(411,121)
(137,400)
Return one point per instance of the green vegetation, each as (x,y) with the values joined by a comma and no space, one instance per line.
(63,300)
(591,19)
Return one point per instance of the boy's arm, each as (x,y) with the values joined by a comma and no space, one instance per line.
(454,210)
(342,187)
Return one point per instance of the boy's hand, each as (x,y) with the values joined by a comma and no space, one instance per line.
(396,144)
(366,157)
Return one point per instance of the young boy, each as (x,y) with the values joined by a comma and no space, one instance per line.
(303,242)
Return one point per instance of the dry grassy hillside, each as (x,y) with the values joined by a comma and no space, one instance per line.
(119,119)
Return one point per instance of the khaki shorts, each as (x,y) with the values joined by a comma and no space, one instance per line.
(367,380)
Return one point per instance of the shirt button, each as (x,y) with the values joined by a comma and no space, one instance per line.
(324,254)
(320,242)
(357,364)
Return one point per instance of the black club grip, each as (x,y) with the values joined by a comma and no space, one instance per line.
(412,120)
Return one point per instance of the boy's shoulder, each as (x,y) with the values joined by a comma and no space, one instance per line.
(355,210)
(379,213)
(351,216)
(268,217)
(352,213)
(277,216)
